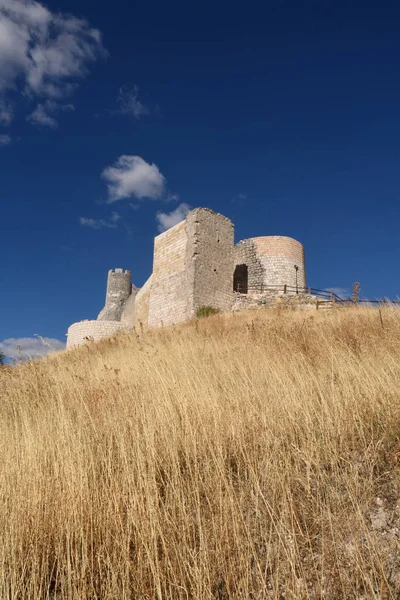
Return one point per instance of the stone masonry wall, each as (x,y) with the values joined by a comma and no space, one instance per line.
(276,300)
(245,253)
(210,259)
(170,295)
(128,313)
(278,256)
(142,300)
(93,330)
(193,266)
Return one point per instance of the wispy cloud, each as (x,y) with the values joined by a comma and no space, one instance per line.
(172,198)
(5,140)
(129,104)
(6,113)
(133,177)
(42,55)
(111,223)
(240,198)
(167,220)
(42,115)
(29,347)
(339,291)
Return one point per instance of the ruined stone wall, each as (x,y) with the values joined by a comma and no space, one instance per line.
(93,330)
(274,300)
(170,295)
(119,289)
(142,305)
(278,256)
(210,259)
(128,313)
(245,253)
(194,264)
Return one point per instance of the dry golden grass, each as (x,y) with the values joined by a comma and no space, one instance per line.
(244,457)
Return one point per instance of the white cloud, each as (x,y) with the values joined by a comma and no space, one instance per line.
(29,347)
(131,176)
(101,223)
(5,140)
(167,220)
(129,104)
(42,54)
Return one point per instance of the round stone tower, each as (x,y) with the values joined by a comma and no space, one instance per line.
(269,261)
(119,288)
(283,260)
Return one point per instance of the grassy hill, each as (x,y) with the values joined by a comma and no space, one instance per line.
(248,456)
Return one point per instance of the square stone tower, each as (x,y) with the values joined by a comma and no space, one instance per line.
(192,267)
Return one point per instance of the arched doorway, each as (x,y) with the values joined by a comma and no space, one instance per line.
(241,279)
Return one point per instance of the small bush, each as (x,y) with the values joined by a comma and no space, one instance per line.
(206,311)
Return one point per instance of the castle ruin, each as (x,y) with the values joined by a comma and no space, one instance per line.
(195,263)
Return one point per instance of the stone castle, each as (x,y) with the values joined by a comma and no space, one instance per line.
(195,264)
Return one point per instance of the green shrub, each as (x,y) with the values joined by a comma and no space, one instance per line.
(206,311)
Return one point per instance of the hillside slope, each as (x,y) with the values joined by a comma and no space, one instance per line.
(243,456)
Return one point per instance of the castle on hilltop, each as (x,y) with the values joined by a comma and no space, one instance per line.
(195,263)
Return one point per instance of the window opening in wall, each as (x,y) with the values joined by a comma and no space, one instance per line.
(241,279)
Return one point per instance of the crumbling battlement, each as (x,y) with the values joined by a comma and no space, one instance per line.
(119,288)
(195,264)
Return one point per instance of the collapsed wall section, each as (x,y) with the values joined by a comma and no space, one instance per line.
(84,331)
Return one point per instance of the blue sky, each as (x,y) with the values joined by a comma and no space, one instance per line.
(116,117)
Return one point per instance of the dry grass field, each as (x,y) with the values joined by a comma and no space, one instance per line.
(250,456)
